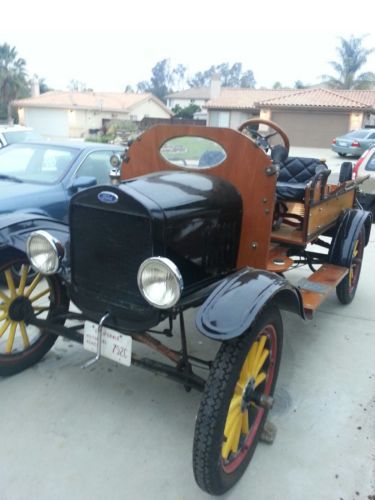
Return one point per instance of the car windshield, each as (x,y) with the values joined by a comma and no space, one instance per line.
(371,163)
(36,162)
(359,134)
(14,136)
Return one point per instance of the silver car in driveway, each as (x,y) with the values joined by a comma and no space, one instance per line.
(354,143)
(10,134)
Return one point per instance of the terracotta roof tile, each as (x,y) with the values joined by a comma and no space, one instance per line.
(307,98)
(244,98)
(102,101)
(316,98)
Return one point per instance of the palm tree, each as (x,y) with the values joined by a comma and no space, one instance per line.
(13,78)
(352,57)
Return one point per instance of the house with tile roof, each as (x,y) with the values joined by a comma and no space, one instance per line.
(60,115)
(311,117)
(196,95)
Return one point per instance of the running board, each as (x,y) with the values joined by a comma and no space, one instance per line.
(319,285)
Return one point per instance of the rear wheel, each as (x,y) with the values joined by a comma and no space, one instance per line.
(24,295)
(347,288)
(233,409)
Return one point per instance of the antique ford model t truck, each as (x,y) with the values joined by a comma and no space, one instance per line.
(202,218)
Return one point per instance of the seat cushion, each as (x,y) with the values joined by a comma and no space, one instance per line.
(294,175)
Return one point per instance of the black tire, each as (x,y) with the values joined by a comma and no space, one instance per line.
(216,467)
(347,288)
(21,344)
(342,154)
(346,171)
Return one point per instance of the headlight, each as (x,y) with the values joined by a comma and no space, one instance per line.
(44,252)
(160,282)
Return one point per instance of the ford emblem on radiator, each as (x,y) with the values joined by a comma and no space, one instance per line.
(107,197)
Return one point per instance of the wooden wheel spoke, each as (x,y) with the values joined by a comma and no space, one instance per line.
(41,308)
(259,379)
(245,423)
(235,403)
(12,334)
(5,326)
(249,362)
(10,283)
(261,343)
(24,335)
(261,362)
(33,285)
(233,437)
(39,295)
(24,272)
(4,298)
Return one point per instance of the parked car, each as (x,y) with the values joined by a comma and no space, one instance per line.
(366,166)
(10,134)
(182,233)
(354,143)
(41,177)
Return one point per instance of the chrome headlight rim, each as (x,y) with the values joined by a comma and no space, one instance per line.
(55,245)
(170,267)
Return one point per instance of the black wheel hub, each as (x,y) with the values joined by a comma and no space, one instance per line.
(20,309)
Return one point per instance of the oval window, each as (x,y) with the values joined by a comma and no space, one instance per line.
(193,152)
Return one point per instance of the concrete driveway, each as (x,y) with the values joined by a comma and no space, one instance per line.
(115,433)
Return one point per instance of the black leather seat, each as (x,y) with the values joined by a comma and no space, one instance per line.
(295,173)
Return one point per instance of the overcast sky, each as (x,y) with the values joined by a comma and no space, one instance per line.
(112,44)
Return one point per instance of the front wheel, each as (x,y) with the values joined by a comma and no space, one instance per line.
(231,414)
(25,294)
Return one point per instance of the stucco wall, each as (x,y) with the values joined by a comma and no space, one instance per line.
(355,120)
(81,121)
(150,109)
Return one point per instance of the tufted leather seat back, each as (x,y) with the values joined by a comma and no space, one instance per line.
(294,174)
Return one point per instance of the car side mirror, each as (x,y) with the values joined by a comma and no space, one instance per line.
(82,182)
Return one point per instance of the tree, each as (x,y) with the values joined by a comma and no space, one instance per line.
(162,79)
(352,57)
(13,79)
(187,112)
(78,86)
(298,84)
(230,76)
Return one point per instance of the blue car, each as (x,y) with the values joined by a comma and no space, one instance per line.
(41,177)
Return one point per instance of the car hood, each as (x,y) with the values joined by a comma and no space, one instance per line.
(18,195)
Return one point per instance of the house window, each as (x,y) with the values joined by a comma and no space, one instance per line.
(219,118)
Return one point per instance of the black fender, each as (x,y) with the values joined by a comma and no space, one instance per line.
(233,306)
(15,228)
(347,230)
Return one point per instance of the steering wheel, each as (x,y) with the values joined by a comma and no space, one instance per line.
(263,140)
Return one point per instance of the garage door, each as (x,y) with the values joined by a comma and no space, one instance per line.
(51,123)
(312,129)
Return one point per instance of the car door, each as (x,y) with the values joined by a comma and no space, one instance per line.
(96,164)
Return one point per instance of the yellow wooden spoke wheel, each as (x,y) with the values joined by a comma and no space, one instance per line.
(346,290)
(235,403)
(23,295)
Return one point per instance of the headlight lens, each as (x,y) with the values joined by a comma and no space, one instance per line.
(44,252)
(160,282)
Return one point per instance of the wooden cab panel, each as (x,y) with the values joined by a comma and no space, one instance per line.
(246,167)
